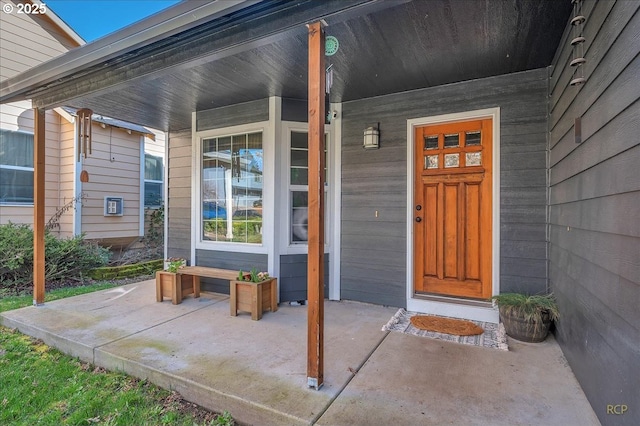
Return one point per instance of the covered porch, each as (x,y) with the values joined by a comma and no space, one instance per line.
(256,369)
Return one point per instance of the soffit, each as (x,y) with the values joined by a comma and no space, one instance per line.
(395,47)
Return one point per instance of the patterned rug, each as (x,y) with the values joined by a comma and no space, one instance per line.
(493,337)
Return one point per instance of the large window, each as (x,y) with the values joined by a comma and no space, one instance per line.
(299,186)
(16,167)
(153,170)
(231,188)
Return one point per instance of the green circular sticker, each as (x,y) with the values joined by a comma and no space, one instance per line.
(331,46)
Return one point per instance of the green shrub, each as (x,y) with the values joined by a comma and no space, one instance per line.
(126,271)
(65,259)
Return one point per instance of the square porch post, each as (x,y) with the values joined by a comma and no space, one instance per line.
(38,205)
(315,259)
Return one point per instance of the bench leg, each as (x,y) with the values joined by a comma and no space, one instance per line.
(274,295)
(196,285)
(233,299)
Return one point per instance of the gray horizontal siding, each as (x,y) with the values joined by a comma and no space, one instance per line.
(233,115)
(227,260)
(293,277)
(178,203)
(373,254)
(594,199)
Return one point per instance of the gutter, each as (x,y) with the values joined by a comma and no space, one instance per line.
(179,18)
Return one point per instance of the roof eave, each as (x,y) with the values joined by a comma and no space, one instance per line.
(179,18)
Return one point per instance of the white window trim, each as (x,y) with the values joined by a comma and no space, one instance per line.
(448,306)
(268,146)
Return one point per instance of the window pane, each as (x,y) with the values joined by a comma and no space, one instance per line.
(16,149)
(299,158)
(299,216)
(232,170)
(16,167)
(152,167)
(16,186)
(299,140)
(299,176)
(152,194)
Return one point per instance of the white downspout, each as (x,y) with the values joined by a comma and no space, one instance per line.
(77,184)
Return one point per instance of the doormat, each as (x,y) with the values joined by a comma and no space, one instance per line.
(493,337)
(446,325)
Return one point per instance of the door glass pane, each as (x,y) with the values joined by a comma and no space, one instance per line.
(473,138)
(451,160)
(473,158)
(431,142)
(431,162)
(452,140)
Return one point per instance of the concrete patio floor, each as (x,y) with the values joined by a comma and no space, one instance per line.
(257,369)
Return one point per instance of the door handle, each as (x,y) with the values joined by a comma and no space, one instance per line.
(418,219)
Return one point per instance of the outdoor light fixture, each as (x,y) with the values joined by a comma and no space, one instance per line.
(371,137)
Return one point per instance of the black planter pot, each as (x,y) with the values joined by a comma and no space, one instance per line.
(527,331)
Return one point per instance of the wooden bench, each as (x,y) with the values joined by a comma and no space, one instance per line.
(203,271)
(255,298)
(187,281)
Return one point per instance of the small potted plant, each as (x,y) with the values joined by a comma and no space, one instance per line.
(527,317)
(172,264)
(254,292)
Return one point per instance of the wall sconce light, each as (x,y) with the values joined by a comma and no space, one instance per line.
(371,136)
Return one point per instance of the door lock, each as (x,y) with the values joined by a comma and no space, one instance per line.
(418,207)
(418,219)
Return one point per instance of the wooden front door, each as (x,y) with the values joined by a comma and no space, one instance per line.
(452,209)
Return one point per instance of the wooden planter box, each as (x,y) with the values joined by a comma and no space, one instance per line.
(255,298)
(175,286)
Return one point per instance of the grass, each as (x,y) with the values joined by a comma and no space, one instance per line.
(14,302)
(43,386)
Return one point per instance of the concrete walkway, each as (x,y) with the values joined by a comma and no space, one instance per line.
(257,369)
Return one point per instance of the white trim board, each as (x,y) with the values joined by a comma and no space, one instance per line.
(449,307)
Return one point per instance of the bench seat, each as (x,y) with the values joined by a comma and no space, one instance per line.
(188,281)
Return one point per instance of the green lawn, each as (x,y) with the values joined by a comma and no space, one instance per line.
(14,302)
(42,386)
